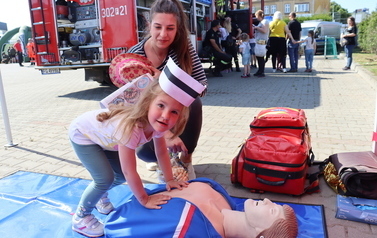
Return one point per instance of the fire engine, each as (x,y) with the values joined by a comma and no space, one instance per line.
(88,34)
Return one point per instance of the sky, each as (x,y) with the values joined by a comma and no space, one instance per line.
(16,12)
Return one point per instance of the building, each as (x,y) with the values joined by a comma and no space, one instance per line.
(301,7)
(3,28)
(360,14)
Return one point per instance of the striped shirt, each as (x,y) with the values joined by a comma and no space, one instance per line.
(197,68)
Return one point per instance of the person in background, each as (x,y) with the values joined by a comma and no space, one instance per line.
(278,47)
(20,57)
(350,34)
(310,49)
(222,59)
(224,33)
(244,49)
(168,36)
(253,58)
(295,27)
(261,34)
(31,51)
(235,32)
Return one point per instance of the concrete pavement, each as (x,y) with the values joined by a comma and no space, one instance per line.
(340,107)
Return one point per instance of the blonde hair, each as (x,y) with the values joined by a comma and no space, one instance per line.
(282,228)
(137,114)
(244,37)
(228,24)
(181,41)
(259,13)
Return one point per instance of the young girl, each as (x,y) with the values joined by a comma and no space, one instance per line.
(309,50)
(245,51)
(105,141)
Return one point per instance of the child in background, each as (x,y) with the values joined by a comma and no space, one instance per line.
(310,49)
(244,49)
(105,141)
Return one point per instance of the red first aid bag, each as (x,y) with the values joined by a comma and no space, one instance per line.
(277,154)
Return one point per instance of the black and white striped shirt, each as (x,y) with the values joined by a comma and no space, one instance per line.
(197,68)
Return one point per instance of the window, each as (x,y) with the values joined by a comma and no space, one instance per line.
(287,8)
(304,7)
(266,10)
(253,9)
(273,9)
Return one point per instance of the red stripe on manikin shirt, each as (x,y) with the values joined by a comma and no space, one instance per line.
(185,220)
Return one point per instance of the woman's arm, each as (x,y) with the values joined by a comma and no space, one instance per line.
(164,163)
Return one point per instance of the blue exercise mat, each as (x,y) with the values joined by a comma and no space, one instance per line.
(41,205)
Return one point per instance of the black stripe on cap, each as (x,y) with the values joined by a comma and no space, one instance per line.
(177,82)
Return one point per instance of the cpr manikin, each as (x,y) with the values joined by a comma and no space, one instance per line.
(214,206)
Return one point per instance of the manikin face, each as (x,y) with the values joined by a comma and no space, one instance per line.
(262,214)
(164,112)
(163,30)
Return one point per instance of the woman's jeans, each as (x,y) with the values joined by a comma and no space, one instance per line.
(348,49)
(309,54)
(104,167)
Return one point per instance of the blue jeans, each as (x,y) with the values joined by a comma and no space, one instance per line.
(309,54)
(104,167)
(348,49)
(293,54)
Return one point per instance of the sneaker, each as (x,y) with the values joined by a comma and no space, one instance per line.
(248,75)
(261,75)
(273,70)
(306,70)
(284,70)
(87,226)
(152,166)
(244,76)
(104,206)
(292,71)
(346,68)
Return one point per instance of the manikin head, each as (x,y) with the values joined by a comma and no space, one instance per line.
(261,219)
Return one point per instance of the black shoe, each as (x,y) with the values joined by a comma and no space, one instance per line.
(261,75)
(238,70)
(292,70)
(21,65)
(346,68)
(256,74)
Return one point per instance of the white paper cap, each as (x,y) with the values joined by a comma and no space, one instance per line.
(178,84)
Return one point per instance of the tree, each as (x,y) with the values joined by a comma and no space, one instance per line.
(367,31)
(342,12)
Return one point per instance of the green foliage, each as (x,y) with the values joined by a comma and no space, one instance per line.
(367,32)
(344,14)
(323,17)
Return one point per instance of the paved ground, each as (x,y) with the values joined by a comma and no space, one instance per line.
(339,105)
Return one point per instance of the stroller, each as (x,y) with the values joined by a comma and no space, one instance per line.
(5,58)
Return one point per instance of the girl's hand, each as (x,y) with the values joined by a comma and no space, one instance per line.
(176,184)
(155,200)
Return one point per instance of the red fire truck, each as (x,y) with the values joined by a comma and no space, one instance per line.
(88,34)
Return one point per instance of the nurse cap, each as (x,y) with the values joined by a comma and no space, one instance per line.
(178,84)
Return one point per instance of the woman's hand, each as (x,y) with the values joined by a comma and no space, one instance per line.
(176,145)
(155,200)
(176,184)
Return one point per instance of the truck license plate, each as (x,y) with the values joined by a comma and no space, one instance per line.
(50,71)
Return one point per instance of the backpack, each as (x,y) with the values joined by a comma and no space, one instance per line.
(12,52)
(277,154)
(229,40)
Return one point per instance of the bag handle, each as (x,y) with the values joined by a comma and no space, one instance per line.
(271,183)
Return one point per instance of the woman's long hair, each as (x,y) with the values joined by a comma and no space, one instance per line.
(137,114)
(181,42)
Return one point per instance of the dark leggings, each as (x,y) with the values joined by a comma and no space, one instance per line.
(278,50)
(261,64)
(190,135)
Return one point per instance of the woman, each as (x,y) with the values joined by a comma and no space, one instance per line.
(350,35)
(168,37)
(278,47)
(261,35)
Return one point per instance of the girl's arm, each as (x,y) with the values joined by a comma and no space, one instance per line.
(129,168)
(164,163)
